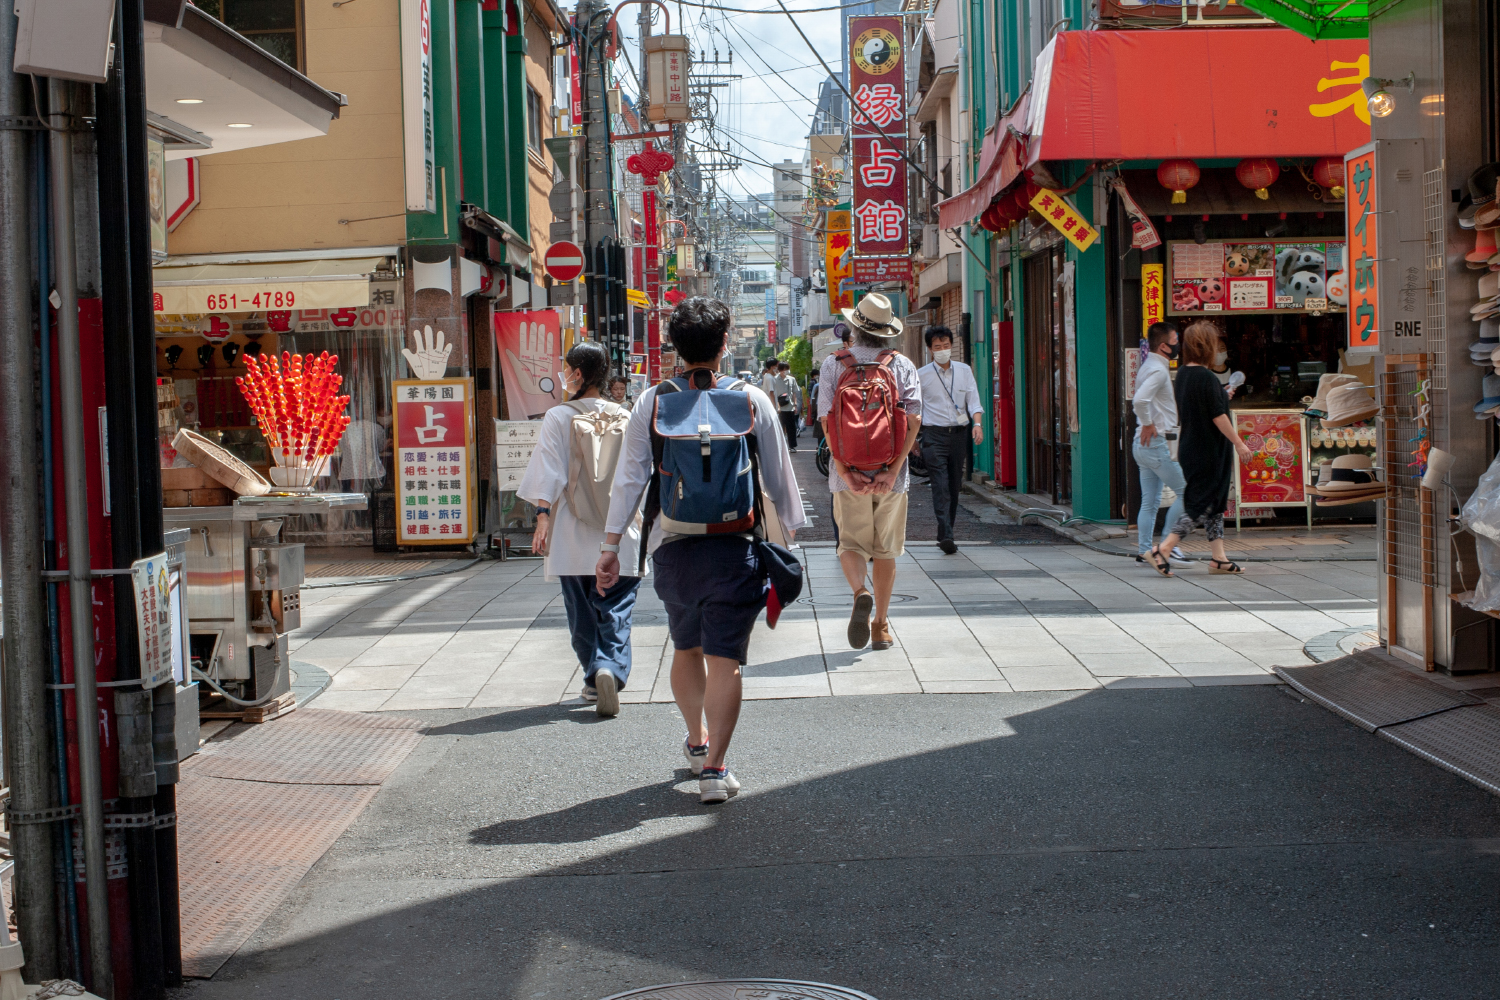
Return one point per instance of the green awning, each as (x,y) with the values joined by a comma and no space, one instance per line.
(1323,18)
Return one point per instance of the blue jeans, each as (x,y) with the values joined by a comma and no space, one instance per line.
(601,624)
(1157,470)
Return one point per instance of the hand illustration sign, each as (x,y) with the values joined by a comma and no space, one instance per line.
(430,360)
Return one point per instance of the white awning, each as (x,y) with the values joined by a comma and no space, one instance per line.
(330,283)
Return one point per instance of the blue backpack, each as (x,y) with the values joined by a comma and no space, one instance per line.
(707,474)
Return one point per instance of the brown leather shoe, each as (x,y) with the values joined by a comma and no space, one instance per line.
(880,635)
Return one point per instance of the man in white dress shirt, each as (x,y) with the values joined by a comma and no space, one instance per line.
(951,417)
(712,585)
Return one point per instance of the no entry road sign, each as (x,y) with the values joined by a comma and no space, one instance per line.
(564,261)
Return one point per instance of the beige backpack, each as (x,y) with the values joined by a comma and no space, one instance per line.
(598,438)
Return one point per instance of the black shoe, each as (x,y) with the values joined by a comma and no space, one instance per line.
(947,546)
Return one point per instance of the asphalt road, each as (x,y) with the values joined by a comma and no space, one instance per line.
(1224,843)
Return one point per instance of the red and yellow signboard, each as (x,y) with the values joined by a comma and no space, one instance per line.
(840,269)
(1064,218)
(877,80)
(1364,268)
(1153,296)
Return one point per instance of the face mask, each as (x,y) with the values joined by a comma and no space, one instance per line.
(942,357)
(1220,358)
(1172,352)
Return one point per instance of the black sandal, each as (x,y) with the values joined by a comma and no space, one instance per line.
(1230,567)
(1158,563)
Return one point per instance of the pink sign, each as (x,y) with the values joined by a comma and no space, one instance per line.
(529,345)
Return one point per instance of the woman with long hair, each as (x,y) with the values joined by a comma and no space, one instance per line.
(1206,445)
(599,623)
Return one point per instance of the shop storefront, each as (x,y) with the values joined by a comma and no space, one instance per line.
(1092,131)
(214,311)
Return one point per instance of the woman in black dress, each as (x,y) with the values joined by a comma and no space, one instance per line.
(1206,445)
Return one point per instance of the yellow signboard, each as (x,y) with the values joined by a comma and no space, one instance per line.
(1064,218)
(637,298)
(1153,301)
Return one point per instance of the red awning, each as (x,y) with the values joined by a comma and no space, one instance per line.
(1194,93)
(1000,163)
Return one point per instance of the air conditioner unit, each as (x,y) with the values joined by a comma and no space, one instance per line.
(66,39)
(930,242)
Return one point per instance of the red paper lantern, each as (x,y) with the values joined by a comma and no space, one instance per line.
(1177,176)
(1329,173)
(989,219)
(1258,173)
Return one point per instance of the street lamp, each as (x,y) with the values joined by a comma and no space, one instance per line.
(1378,97)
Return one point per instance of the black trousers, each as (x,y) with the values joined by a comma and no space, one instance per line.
(789,427)
(945,450)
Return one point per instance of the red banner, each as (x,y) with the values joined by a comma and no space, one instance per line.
(878,82)
(876,78)
(882,269)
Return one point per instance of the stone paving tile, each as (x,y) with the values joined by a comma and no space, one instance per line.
(991,618)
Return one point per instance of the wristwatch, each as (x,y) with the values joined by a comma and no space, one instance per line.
(544,510)
(607,547)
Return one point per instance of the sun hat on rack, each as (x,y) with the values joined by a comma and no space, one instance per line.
(873,316)
(1481,185)
(1490,395)
(1484,247)
(1317,406)
(1349,404)
(1354,473)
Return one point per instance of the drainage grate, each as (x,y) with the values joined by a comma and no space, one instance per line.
(1465,741)
(744,989)
(1370,693)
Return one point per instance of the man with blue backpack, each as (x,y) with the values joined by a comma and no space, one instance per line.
(709,454)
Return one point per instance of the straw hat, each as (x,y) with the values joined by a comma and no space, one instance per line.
(1349,404)
(1349,474)
(873,316)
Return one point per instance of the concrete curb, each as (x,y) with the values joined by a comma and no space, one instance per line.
(1089,542)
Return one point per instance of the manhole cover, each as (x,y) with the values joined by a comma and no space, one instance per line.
(847,600)
(744,989)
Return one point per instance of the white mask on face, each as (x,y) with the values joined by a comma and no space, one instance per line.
(942,357)
(1220,358)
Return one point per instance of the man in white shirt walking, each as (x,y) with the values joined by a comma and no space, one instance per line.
(1155,405)
(951,417)
(712,585)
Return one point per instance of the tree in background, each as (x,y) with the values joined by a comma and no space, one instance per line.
(798,353)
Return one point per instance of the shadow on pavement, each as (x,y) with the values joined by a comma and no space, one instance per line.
(1224,843)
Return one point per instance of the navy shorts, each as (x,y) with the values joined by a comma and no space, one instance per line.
(714,592)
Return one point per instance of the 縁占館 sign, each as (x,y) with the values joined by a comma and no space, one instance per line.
(878,82)
(434,450)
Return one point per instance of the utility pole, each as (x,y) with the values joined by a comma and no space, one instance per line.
(28,741)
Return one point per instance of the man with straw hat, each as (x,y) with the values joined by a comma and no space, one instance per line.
(870,506)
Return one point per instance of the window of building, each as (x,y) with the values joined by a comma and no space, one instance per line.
(533,118)
(274,25)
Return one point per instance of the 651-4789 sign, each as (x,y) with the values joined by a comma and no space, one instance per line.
(250,301)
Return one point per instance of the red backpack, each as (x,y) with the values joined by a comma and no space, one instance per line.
(867,424)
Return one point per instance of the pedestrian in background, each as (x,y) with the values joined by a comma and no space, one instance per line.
(951,417)
(1154,448)
(619,389)
(559,483)
(1207,444)
(792,408)
(713,585)
(870,510)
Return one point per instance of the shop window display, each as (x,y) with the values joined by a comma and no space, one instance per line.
(199,358)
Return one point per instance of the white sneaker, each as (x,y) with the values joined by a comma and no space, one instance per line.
(589,694)
(695,755)
(716,785)
(608,694)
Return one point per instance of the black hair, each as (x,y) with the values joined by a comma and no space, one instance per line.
(698,329)
(591,362)
(771,362)
(1158,334)
(784,364)
(618,378)
(934,332)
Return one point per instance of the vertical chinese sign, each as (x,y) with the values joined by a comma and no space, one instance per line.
(878,82)
(838,261)
(651,163)
(1363,250)
(434,455)
(416,105)
(1153,305)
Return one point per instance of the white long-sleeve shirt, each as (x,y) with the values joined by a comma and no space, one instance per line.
(572,546)
(633,474)
(949,398)
(1155,400)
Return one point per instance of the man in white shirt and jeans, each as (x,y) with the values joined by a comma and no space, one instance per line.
(951,418)
(1155,405)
